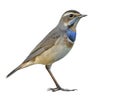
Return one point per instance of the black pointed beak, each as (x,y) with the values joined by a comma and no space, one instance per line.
(82,15)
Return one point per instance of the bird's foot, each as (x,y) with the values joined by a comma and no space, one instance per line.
(59,88)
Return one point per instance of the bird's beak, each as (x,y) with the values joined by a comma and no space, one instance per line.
(82,15)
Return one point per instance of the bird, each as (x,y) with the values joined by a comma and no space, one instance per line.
(54,46)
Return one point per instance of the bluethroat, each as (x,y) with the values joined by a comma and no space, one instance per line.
(54,46)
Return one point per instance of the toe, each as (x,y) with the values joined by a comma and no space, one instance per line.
(57,89)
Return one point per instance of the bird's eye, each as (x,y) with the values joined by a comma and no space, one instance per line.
(71,15)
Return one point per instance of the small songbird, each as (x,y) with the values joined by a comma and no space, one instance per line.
(54,46)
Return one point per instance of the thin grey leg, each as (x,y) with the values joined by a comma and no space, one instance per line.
(55,81)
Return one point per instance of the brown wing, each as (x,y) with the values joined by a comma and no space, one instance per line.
(45,44)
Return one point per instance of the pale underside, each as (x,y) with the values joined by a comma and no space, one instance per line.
(58,51)
(61,47)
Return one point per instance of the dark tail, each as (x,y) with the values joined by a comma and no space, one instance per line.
(23,65)
(16,69)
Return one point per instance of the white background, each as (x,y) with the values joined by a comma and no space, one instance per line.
(93,65)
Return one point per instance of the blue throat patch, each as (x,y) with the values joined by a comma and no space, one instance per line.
(71,35)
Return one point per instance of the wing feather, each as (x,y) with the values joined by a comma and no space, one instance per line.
(45,44)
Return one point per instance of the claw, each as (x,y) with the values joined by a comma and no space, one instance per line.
(57,89)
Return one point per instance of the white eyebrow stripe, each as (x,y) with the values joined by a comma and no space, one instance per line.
(68,13)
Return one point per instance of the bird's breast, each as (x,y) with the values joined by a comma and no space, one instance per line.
(71,35)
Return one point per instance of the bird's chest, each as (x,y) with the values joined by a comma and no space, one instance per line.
(64,45)
(71,35)
(61,48)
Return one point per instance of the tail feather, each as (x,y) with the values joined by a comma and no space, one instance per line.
(16,69)
(23,65)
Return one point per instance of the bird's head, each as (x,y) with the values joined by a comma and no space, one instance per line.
(70,19)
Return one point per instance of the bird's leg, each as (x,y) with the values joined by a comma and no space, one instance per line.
(55,81)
